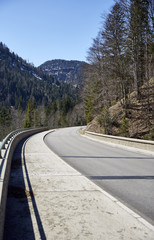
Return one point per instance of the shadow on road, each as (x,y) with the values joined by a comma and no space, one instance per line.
(18,221)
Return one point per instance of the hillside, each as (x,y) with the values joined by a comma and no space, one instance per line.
(137,121)
(19,81)
(65,71)
(30,97)
(119,91)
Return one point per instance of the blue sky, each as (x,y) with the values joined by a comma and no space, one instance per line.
(41,30)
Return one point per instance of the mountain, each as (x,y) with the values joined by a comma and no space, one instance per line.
(65,71)
(30,97)
(20,80)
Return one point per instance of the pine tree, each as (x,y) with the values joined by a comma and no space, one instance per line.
(31,116)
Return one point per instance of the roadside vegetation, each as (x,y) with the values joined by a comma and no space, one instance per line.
(120,73)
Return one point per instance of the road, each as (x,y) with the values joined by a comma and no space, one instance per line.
(127,175)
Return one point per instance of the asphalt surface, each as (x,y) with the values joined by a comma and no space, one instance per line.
(125,174)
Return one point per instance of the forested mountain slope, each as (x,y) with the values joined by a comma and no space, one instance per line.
(29,97)
(19,81)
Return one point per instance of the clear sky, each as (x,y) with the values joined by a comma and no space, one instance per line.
(41,30)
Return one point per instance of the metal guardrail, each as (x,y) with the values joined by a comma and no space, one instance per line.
(143,145)
(7,147)
(7,140)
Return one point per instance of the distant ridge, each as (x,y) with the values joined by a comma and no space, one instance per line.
(69,71)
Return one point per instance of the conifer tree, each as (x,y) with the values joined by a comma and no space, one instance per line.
(31,117)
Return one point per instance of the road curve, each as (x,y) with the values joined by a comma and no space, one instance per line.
(127,175)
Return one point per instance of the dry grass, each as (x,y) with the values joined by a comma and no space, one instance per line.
(139,115)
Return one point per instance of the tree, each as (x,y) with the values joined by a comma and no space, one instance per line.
(5,116)
(120,57)
(91,94)
(114,36)
(110,61)
(5,120)
(32,118)
(140,37)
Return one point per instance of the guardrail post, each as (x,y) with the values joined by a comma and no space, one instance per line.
(1,152)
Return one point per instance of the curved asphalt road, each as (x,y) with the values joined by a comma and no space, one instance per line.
(127,175)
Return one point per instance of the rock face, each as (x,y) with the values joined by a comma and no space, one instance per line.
(63,70)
